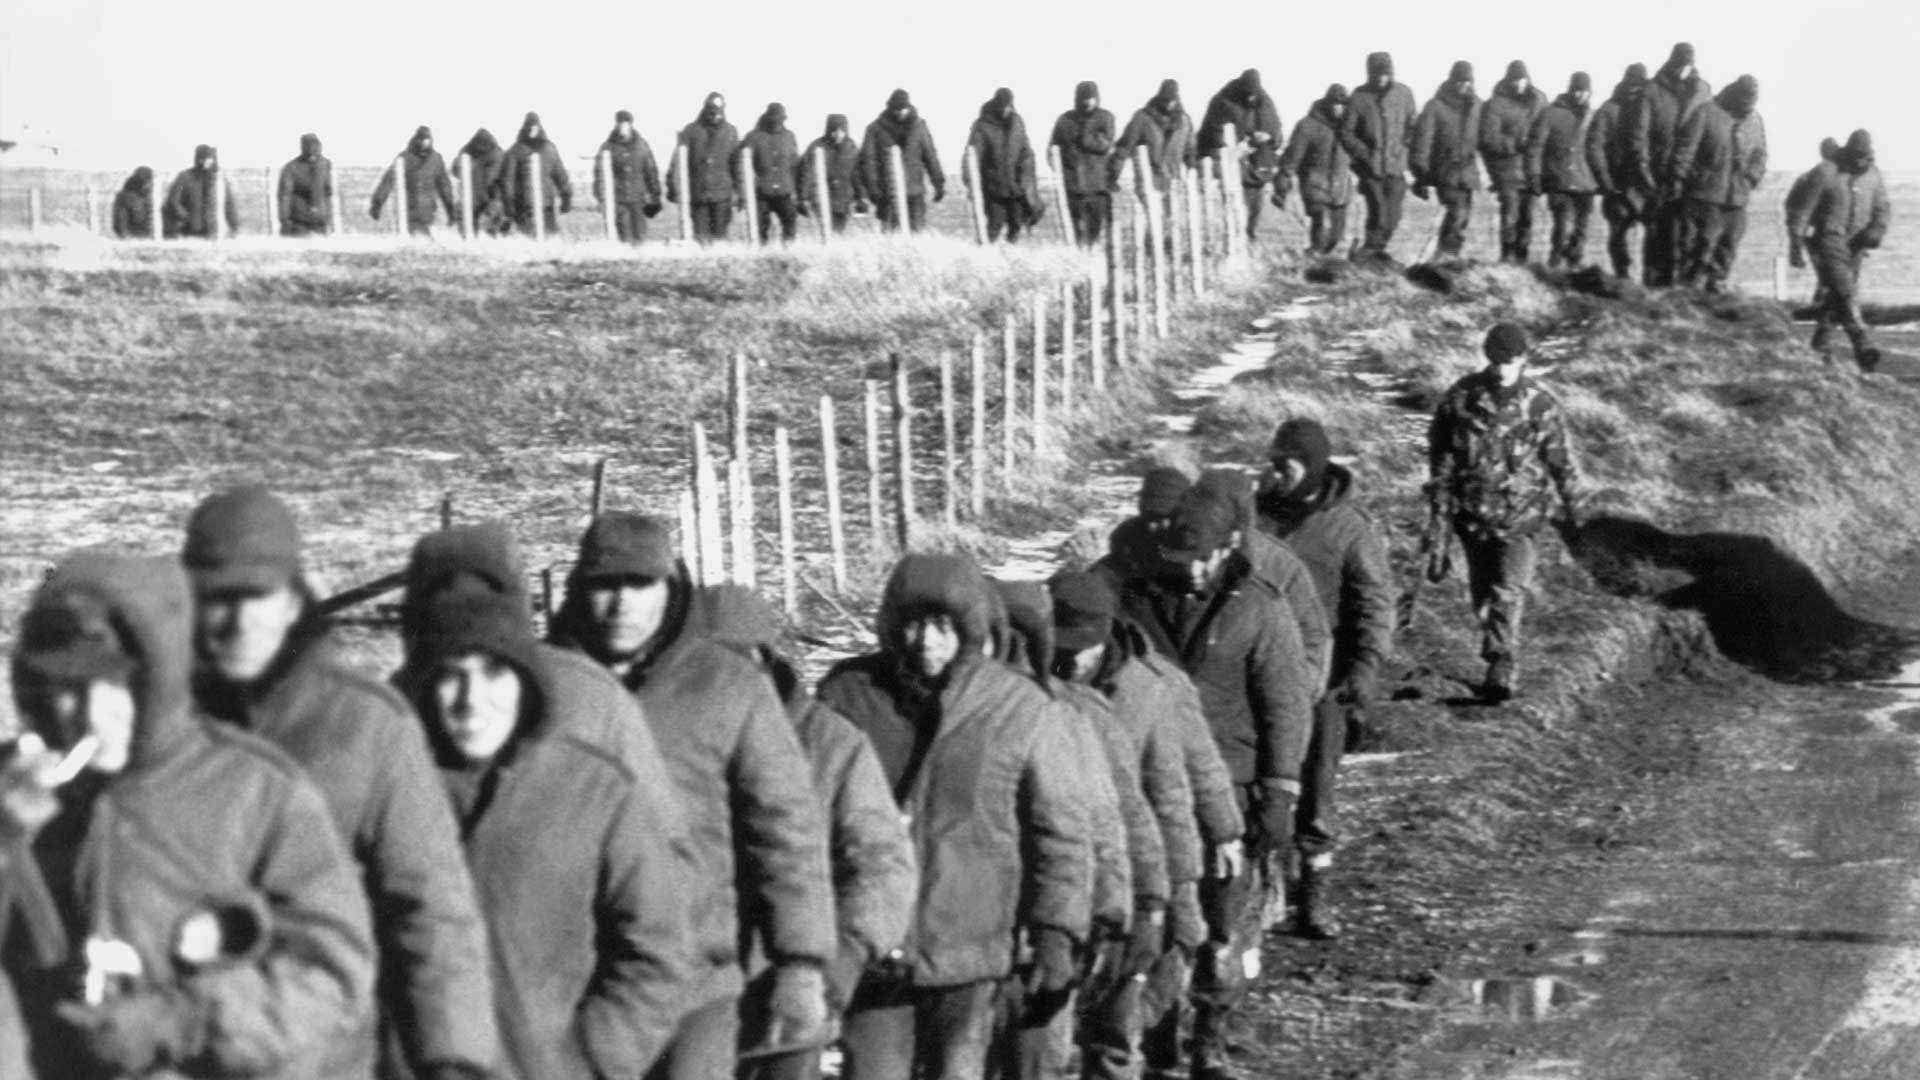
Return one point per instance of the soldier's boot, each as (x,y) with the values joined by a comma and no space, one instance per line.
(1315,920)
(1499,687)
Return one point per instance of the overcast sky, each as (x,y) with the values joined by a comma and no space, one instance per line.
(117,83)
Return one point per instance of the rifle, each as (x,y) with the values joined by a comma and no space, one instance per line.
(1436,552)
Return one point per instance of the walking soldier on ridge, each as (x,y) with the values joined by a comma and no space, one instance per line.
(1317,159)
(1623,201)
(1674,94)
(1246,105)
(1842,214)
(1559,167)
(776,169)
(1719,157)
(1084,135)
(636,180)
(842,156)
(1010,192)
(711,147)
(1442,159)
(1505,122)
(427,184)
(1498,454)
(981,762)
(265,663)
(1379,118)
(1307,502)
(899,124)
(530,153)
(305,194)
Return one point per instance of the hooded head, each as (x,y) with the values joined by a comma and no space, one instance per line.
(310,146)
(118,618)
(1857,155)
(1380,69)
(775,118)
(1741,96)
(422,140)
(926,584)
(836,122)
(1167,98)
(1305,441)
(140,181)
(532,131)
(205,157)
(1086,96)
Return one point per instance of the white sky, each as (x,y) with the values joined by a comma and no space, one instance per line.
(116,83)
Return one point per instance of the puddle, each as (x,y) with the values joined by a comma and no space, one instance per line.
(1534,997)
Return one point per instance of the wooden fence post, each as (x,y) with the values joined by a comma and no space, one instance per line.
(1069,312)
(897,176)
(1009,395)
(538,191)
(469,213)
(783,474)
(976,195)
(750,193)
(1068,233)
(683,183)
(949,448)
(706,482)
(690,537)
(903,449)
(977,418)
(822,196)
(876,517)
(400,196)
(610,201)
(830,464)
(1039,376)
(1096,334)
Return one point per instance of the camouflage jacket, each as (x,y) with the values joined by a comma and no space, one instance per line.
(1494,454)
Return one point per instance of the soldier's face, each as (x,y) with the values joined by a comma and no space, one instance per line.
(931,644)
(477,698)
(626,613)
(238,632)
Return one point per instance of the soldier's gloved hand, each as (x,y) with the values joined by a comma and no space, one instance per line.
(797,1007)
(1276,810)
(136,1033)
(1147,938)
(1054,966)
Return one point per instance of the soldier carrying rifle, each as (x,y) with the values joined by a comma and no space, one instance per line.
(1498,442)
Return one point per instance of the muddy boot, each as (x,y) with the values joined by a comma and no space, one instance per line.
(1314,921)
(1499,687)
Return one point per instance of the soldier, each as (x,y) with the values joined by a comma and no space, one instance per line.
(1010,192)
(587,903)
(133,206)
(1610,156)
(1205,609)
(1558,167)
(710,146)
(306,192)
(1442,159)
(186,902)
(265,663)
(636,180)
(428,185)
(532,152)
(189,209)
(483,158)
(1674,94)
(759,838)
(1165,129)
(1306,501)
(996,816)
(1084,136)
(1379,119)
(841,154)
(1246,105)
(776,164)
(1719,157)
(1508,116)
(899,125)
(1497,444)
(1841,215)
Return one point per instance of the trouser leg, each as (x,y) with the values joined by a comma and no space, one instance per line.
(704,1044)
(1457,213)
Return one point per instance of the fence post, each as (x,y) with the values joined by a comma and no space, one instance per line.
(469,213)
(683,183)
(1068,233)
(976,194)
(690,537)
(783,476)
(400,208)
(897,176)
(750,192)
(949,449)
(537,190)
(977,418)
(598,499)
(830,464)
(903,449)
(1039,376)
(1068,313)
(1096,345)
(1196,231)
(707,508)
(610,201)
(876,517)
(1009,395)
(822,195)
